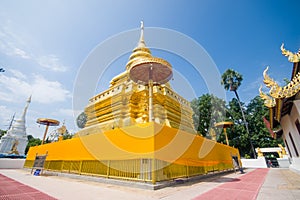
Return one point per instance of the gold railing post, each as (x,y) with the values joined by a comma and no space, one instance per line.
(80,166)
(71,165)
(187,169)
(108,169)
(62,166)
(153,171)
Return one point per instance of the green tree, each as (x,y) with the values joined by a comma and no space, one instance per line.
(208,109)
(260,134)
(234,112)
(231,80)
(2,132)
(286,81)
(81,120)
(32,142)
(237,134)
(67,135)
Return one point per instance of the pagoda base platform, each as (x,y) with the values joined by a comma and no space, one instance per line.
(148,152)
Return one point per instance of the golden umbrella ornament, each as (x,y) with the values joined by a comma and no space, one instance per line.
(224,125)
(47,122)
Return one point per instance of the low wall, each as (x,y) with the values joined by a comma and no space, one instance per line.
(148,152)
(283,162)
(295,164)
(260,162)
(8,163)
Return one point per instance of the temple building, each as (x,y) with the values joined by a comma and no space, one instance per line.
(15,140)
(138,129)
(284,107)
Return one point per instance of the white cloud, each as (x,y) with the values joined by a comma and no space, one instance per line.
(13,87)
(21,53)
(18,74)
(66,112)
(43,91)
(12,44)
(254,85)
(4,96)
(51,62)
(4,112)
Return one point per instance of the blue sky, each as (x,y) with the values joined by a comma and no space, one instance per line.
(44,43)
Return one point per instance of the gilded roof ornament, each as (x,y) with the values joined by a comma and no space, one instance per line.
(275,89)
(292,57)
(268,100)
(282,92)
(293,87)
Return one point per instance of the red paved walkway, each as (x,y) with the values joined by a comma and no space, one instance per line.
(11,189)
(244,188)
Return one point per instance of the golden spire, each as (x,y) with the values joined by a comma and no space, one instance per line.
(142,41)
(147,70)
(141,51)
(292,57)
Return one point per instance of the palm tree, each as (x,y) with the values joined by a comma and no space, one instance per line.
(231,80)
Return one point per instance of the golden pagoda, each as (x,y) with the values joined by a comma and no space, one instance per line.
(138,129)
(126,103)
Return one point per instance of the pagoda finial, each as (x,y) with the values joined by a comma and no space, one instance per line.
(142,41)
(292,57)
(29,99)
(140,51)
(26,107)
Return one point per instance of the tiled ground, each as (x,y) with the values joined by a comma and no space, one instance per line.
(245,187)
(13,190)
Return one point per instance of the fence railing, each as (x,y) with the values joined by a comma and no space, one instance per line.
(145,170)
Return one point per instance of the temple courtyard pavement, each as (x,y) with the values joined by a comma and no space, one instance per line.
(273,184)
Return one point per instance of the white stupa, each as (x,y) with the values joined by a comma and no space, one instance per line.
(15,140)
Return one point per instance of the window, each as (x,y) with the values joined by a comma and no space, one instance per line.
(297,154)
(297,125)
(287,145)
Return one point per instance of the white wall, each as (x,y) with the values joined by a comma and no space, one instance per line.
(7,163)
(260,162)
(288,125)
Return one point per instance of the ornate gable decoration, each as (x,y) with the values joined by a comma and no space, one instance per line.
(268,100)
(292,57)
(277,92)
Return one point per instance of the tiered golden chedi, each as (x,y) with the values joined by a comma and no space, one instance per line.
(126,102)
(121,141)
